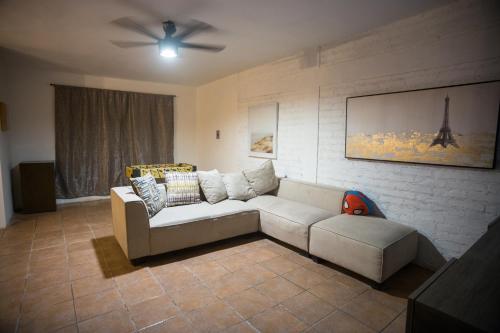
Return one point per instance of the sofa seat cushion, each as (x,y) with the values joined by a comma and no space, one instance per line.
(189,213)
(287,220)
(374,231)
(180,227)
(290,210)
(371,246)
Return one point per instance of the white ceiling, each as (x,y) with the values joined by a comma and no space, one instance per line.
(75,34)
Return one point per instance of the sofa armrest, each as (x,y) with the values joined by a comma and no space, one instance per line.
(321,196)
(130,222)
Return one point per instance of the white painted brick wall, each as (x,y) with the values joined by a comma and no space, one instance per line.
(455,44)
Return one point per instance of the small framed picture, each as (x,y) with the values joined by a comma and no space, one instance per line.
(263,130)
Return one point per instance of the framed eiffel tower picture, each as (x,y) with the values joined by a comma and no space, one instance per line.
(453,125)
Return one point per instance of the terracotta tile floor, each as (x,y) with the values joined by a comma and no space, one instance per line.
(64,272)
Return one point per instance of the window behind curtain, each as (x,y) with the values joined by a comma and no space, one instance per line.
(99,132)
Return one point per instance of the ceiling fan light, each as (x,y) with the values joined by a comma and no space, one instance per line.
(168,50)
(168,53)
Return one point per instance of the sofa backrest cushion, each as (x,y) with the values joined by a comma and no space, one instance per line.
(212,186)
(321,196)
(262,179)
(237,186)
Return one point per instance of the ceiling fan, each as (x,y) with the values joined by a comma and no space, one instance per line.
(170,44)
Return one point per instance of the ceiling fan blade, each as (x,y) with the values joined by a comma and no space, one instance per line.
(156,10)
(127,45)
(203,47)
(128,23)
(195,27)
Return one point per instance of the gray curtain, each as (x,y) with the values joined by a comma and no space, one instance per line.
(99,132)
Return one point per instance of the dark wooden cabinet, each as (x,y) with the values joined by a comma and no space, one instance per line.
(33,187)
(464,295)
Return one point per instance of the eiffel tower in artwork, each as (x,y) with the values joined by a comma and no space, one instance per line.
(444,137)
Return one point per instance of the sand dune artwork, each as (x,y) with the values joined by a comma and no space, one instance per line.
(262,144)
(262,130)
(454,126)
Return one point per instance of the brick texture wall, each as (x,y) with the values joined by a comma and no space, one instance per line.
(450,207)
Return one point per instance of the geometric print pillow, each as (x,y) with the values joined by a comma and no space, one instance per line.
(182,188)
(146,189)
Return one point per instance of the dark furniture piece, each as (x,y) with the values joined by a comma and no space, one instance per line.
(464,295)
(33,187)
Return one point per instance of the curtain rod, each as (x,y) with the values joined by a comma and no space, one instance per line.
(137,92)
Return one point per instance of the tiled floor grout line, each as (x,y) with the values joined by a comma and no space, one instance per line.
(27,274)
(251,326)
(201,282)
(304,290)
(74,308)
(390,322)
(161,322)
(366,291)
(178,309)
(253,286)
(114,283)
(26,277)
(71,281)
(231,306)
(307,290)
(348,314)
(217,296)
(282,276)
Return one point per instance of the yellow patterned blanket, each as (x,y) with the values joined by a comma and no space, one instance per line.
(157,170)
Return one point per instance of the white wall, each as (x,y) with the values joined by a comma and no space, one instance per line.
(5,192)
(450,207)
(31,101)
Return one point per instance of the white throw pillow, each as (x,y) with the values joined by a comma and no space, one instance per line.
(262,179)
(237,186)
(212,185)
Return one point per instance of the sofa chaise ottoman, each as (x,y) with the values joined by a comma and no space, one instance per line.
(370,246)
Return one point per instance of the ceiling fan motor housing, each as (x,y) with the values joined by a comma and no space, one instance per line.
(169,28)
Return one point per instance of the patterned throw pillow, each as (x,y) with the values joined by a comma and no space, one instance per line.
(356,203)
(182,188)
(146,189)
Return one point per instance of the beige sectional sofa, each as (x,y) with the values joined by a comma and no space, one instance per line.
(304,215)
